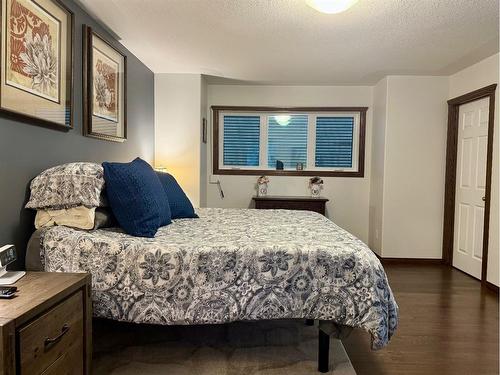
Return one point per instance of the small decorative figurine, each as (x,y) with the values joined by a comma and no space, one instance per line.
(316,185)
(262,182)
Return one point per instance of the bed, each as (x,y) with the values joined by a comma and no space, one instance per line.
(230,265)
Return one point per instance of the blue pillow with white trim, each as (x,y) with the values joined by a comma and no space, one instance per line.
(180,206)
(136,197)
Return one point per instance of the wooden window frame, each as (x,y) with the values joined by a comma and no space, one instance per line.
(272,172)
(451,174)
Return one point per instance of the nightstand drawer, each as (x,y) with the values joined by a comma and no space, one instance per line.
(70,363)
(54,335)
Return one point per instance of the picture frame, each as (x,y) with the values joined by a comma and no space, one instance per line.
(104,88)
(36,68)
(204,130)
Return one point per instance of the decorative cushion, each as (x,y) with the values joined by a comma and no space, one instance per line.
(79,217)
(67,185)
(137,197)
(180,206)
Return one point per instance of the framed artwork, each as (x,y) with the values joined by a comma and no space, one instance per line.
(105,89)
(36,69)
(204,130)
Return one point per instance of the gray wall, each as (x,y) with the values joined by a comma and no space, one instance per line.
(27,149)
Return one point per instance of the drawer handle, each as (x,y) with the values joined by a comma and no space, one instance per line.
(49,342)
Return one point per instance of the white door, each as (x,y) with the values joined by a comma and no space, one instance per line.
(470,186)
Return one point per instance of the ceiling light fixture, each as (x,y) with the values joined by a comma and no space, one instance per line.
(331,6)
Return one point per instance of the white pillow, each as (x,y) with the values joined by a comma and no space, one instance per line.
(77,217)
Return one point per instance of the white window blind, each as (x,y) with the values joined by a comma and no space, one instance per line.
(287,140)
(334,142)
(241,140)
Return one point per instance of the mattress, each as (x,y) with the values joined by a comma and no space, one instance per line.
(231,265)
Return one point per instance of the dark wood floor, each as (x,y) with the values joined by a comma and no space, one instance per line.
(448,325)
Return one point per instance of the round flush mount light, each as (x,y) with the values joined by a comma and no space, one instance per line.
(283,120)
(331,6)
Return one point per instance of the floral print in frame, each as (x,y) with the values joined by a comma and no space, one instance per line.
(106,78)
(36,79)
(105,89)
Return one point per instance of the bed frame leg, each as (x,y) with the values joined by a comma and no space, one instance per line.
(323,352)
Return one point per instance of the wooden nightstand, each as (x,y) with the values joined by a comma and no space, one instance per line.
(47,328)
(291,203)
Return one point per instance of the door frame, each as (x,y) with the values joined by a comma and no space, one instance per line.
(451,172)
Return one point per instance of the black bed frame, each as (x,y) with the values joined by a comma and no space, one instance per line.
(323,351)
(323,348)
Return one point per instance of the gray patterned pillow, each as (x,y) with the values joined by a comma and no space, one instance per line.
(68,185)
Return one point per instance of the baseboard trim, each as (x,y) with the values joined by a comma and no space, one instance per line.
(414,261)
(491,287)
(409,260)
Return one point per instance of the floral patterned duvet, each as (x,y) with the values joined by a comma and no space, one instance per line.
(229,265)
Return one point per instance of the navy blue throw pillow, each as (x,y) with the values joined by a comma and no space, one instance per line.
(180,206)
(137,197)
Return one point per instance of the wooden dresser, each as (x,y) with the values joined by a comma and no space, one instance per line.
(46,328)
(291,203)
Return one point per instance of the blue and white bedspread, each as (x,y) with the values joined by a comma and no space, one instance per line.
(229,265)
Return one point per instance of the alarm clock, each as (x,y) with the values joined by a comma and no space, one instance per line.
(8,254)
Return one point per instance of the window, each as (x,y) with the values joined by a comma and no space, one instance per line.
(321,141)
(286,140)
(334,142)
(241,140)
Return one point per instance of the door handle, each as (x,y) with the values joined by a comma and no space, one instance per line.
(484,199)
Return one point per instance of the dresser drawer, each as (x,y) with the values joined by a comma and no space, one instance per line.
(316,206)
(56,335)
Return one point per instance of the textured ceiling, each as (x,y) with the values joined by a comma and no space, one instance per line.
(287,42)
